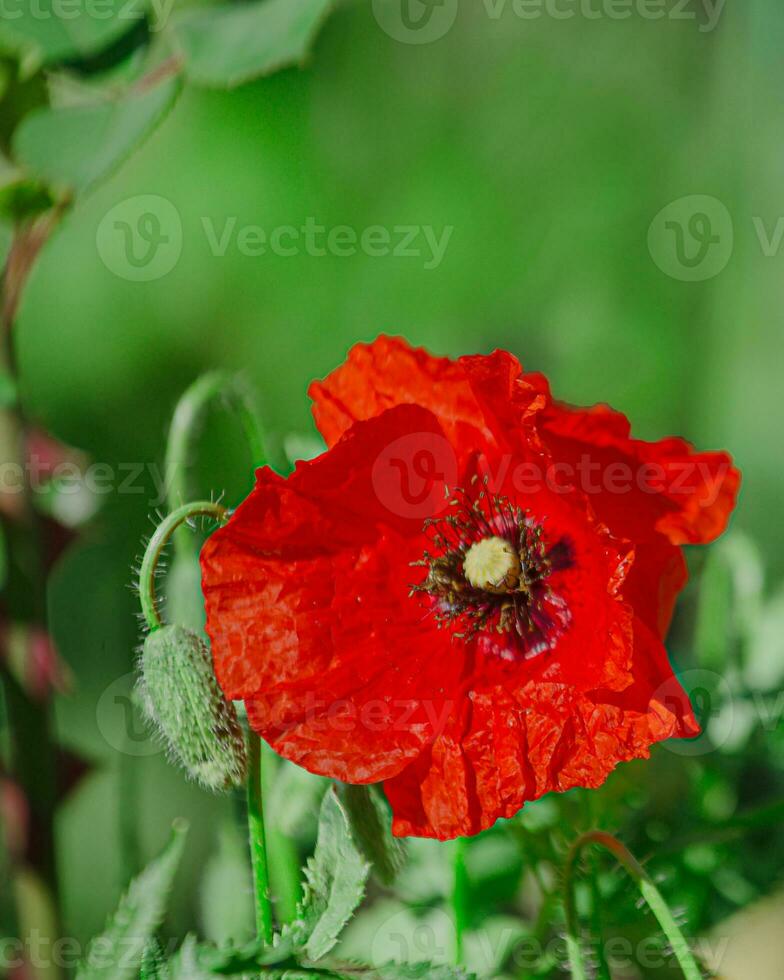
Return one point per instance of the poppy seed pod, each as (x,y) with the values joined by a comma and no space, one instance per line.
(183,700)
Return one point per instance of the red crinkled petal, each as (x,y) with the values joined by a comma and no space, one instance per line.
(510,745)
(640,489)
(483,397)
(306,590)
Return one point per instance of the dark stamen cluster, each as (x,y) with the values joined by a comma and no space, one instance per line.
(522,606)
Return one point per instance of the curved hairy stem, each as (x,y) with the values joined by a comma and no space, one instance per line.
(159,540)
(648,890)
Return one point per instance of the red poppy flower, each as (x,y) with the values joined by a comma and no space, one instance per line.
(465,597)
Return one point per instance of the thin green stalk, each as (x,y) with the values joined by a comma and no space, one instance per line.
(460,896)
(648,890)
(258,844)
(185,427)
(154,550)
(283,855)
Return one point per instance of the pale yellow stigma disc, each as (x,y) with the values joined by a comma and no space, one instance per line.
(489,563)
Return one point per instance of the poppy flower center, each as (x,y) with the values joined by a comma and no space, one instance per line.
(492,564)
(489,571)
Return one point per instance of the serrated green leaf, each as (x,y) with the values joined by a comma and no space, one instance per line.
(186,963)
(403,971)
(335,882)
(415,971)
(228,45)
(370,821)
(232,961)
(45,32)
(75,148)
(117,953)
(154,966)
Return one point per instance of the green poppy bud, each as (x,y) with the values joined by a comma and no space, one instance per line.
(182,698)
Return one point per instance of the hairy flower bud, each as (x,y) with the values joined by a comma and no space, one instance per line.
(183,700)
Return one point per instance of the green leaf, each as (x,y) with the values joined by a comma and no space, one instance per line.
(335,882)
(20,197)
(154,966)
(184,601)
(228,45)
(45,32)
(186,963)
(117,953)
(413,971)
(226,888)
(713,634)
(75,148)
(370,821)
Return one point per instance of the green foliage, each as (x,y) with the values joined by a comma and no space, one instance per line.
(75,148)
(226,46)
(370,821)
(46,32)
(225,891)
(714,628)
(118,952)
(183,700)
(184,601)
(335,882)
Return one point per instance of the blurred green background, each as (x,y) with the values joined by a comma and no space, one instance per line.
(549,146)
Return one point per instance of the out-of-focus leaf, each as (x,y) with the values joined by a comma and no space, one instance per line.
(415,971)
(335,882)
(764,655)
(713,635)
(154,966)
(21,197)
(294,799)
(185,964)
(48,31)
(184,601)
(390,932)
(226,46)
(370,824)
(117,953)
(76,148)
(226,890)
(744,559)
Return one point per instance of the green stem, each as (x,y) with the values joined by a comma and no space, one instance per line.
(648,890)
(258,845)
(159,540)
(186,424)
(460,897)
(284,858)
